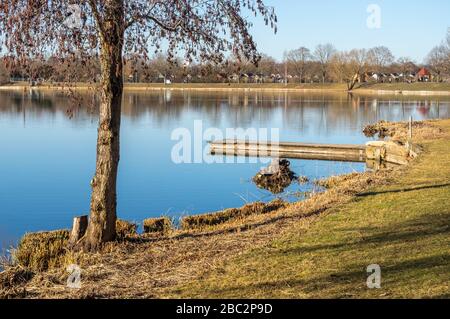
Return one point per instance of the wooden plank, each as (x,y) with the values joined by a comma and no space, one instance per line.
(338,152)
(292,155)
(288,144)
(381,151)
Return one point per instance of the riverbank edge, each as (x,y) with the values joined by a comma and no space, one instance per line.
(332,88)
(344,190)
(401,226)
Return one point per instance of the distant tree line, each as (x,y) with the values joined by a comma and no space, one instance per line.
(324,64)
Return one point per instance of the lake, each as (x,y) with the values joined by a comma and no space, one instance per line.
(47,150)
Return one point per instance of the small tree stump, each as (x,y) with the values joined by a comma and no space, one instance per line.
(79,228)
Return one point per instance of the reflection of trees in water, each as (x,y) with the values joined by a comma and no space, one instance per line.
(17,101)
(239,110)
(38,104)
(318,113)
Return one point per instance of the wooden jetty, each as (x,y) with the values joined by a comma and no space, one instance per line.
(294,150)
(379,151)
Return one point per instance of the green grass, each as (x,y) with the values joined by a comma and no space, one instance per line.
(435,87)
(305,86)
(418,86)
(309,86)
(403,227)
(314,86)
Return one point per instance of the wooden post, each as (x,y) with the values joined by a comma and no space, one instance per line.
(79,227)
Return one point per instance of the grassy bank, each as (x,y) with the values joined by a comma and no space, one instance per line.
(319,247)
(404,227)
(379,88)
(418,86)
(190,86)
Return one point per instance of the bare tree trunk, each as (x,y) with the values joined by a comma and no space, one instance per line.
(352,82)
(102,220)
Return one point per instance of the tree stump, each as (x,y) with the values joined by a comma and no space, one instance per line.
(79,227)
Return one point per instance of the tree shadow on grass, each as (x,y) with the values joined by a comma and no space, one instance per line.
(232,229)
(413,230)
(403,190)
(354,278)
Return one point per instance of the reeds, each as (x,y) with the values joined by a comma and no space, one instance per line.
(398,131)
(200,221)
(157,225)
(43,250)
(125,229)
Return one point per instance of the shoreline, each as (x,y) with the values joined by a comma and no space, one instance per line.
(176,263)
(217,87)
(401,93)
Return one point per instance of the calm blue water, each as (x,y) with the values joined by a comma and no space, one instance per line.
(47,158)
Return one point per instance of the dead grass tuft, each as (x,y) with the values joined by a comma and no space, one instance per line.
(14,276)
(125,229)
(334,181)
(398,131)
(212,219)
(43,250)
(160,225)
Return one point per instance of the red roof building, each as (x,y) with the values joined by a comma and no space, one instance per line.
(423,75)
(424,72)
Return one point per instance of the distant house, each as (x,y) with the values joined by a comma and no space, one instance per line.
(252,77)
(395,77)
(370,77)
(276,78)
(259,78)
(384,77)
(255,78)
(245,78)
(187,78)
(233,78)
(423,75)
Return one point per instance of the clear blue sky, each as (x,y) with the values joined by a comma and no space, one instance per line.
(409,28)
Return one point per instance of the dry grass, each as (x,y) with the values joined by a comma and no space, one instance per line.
(125,229)
(204,221)
(334,181)
(14,276)
(169,264)
(150,267)
(161,225)
(400,222)
(398,131)
(43,250)
(312,87)
(417,86)
(193,86)
(11,279)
